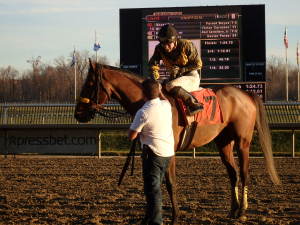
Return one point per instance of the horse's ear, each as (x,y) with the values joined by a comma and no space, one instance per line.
(92,66)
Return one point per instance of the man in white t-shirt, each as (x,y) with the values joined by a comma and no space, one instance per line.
(153,124)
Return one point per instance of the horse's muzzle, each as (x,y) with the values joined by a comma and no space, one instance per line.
(84,117)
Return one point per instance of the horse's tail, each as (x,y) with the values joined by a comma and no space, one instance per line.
(265,140)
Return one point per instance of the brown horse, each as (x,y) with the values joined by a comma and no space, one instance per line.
(242,112)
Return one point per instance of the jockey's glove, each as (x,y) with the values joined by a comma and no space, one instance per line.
(154,72)
(174,72)
(155,75)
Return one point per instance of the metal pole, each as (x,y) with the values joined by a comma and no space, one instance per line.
(5,144)
(5,115)
(293,144)
(95,43)
(287,76)
(297,59)
(298,85)
(75,74)
(99,145)
(75,81)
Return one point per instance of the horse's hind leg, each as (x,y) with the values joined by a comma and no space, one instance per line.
(225,145)
(171,188)
(243,153)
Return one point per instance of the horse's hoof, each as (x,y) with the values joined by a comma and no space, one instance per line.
(242,212)
(144,221)
(174,222)
(263,219)
(243,218)
(234,214)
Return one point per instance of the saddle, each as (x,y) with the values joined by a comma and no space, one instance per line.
(211,114)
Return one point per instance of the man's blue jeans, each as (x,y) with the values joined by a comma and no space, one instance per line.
(154,168)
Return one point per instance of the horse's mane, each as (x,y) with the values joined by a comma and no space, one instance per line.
(135,78)
(127,73)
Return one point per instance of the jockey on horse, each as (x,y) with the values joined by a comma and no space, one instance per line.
(181,59)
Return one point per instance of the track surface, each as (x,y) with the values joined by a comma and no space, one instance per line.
(84,191)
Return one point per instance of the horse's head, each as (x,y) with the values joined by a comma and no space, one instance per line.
(93,94)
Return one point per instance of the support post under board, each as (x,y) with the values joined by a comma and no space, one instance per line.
(293,143)
(99,145)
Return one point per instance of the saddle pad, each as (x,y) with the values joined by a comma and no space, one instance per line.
(211,114)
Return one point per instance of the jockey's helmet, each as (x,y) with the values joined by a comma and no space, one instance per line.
(167,33)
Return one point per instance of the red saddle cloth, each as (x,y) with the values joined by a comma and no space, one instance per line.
(211,114)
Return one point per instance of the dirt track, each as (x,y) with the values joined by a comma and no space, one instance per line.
(84,191)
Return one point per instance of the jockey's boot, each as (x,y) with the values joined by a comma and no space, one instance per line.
(193,106)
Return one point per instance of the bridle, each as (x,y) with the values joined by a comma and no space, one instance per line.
(93,101)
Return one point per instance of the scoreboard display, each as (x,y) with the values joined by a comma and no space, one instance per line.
(230,41)
(215,35)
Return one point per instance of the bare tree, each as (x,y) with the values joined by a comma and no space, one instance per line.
(276,79)
(8,85)
(46,83)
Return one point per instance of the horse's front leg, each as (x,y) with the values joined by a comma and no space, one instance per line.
(225,146)
(171,187)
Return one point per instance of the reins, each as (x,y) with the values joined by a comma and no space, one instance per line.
(93,101)
(110,113)
(130,156)
(99,109)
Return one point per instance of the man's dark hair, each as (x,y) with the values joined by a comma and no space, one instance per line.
(151,88)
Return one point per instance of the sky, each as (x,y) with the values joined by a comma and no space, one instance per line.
(51,28)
